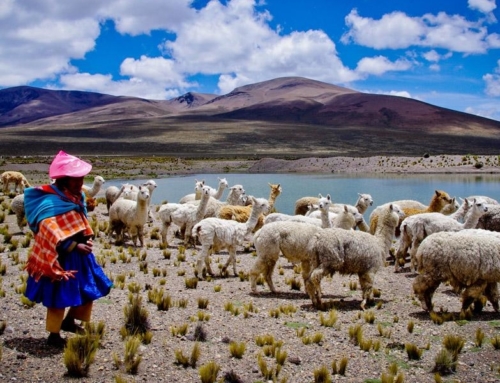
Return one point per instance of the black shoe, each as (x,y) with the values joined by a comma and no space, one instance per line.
(69,325)
(55,340)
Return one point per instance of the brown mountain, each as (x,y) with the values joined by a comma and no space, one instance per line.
(284,117)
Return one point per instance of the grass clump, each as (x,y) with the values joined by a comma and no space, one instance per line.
(208,372)
(79,354)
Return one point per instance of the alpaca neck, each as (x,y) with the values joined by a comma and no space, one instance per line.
(232,198)
(360,206)
(253,219)
(202,207)
(385,230)
(472,219)
(197,194)
(325,218)
(219,191)
(272,200)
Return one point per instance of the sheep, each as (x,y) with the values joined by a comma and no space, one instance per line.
(215,234)
(96,187)
(468,259)
(125,214)
(362,204)
(351,252)
(17,178)
(242,213)
(416,227)
(215,193)
(438,201)
(17,207)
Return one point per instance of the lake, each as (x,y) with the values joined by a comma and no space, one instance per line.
(342,188)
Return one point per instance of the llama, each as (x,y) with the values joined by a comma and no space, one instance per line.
(409,207)
(242,213)
(17,178)
(96,187)
(129,215)
(468,259)
(216,234)
(351,252)
(416,227)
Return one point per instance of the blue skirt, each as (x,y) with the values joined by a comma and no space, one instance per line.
(90,283)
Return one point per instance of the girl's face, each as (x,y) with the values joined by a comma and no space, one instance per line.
(75,184)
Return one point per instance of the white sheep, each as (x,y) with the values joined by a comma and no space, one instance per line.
(17,207)
(467,259)
(215,234)
(95,188)
(17,178)
(351,252)
(416,227)
(129,215)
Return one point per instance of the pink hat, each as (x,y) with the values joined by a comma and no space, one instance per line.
(66,165)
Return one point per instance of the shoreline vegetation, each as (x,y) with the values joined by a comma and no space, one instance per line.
(111,167)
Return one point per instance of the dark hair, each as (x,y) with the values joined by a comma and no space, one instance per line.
(62,183)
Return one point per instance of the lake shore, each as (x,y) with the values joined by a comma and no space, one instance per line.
(36,168)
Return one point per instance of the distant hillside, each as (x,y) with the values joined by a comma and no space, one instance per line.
(284,117)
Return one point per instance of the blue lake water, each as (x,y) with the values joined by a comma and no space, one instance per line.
(342,188)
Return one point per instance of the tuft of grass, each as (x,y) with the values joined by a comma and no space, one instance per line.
(202,303)
(322,375)
(79,354)
(454,344)
(369,316)
(237,349)
(443,363)
(410,326)
(413,352)
(495,342)
(208,372)
(479,337)
(329,321)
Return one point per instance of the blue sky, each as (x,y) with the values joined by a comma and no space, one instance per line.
(446,52)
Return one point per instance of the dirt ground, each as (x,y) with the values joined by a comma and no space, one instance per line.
(234,314)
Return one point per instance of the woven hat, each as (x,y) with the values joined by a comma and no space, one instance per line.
(66,165)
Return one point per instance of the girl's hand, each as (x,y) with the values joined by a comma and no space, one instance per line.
(65,275)
(84,248)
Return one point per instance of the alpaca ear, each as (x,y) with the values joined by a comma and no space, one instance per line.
(328,197)
(320,196)
(345,209)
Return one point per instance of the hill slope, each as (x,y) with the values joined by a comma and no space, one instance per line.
(288,116)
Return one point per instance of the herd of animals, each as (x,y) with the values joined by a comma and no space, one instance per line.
(444,241)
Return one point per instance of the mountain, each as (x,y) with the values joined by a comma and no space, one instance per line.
(289,116)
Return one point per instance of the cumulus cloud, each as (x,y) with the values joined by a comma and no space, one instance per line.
(399,31)
(493,82)
(484,6)
(379,65)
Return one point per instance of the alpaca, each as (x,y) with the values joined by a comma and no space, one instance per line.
(242,213)
(198,186)
(363,202)
(416,227)
(96,187)
(17,178)
(351,252)
(216,234)
(468,259)
(17,207)
(112,193)
(129,215)
(409,207)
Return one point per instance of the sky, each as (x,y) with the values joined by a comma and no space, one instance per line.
(446,52)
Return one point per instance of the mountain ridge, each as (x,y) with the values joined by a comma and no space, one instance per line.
(287,116)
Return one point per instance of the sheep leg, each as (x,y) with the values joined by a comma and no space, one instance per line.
(471,294)
(424,287)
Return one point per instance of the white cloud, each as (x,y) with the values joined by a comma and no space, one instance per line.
(105,84)
(484,6)
(398,31)
(379,65)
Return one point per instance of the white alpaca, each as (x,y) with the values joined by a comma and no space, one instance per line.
(351,252)
(216,234)
(17,207)
(215,193)
(416,227)
(130,215)
(286,237)
(112,193)
(362,204)
(95,188)
(198,186)
(468,259)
